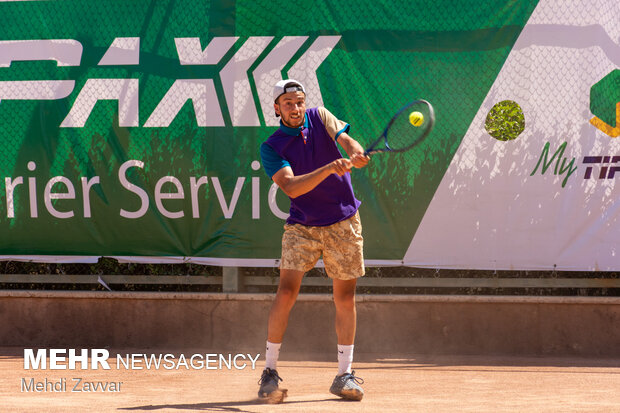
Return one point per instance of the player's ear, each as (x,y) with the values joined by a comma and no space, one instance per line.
(276,109)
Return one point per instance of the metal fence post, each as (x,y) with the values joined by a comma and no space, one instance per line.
(232,280)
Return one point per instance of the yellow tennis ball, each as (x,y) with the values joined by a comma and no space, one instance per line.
(416,118)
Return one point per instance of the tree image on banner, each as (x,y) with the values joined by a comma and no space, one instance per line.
(505,121)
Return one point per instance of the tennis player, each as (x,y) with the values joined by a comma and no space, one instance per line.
(303,159)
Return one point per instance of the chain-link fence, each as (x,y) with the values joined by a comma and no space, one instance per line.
(110,275)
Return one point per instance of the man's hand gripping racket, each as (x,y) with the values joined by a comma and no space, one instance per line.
(408,127)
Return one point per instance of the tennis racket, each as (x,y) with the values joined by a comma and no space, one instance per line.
(401,134)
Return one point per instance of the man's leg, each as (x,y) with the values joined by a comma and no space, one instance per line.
(288,289)
(290,281)
(301,250)
(344,299)
(345,384)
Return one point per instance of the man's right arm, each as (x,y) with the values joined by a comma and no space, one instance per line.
(295,186)
(280,171)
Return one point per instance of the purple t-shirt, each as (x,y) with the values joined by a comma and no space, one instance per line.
(330,201)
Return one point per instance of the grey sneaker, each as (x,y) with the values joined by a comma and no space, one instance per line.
(348,386)
(269,390)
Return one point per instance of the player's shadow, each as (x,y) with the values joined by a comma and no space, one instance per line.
(222,406)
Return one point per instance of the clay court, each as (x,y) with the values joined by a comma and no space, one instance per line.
(410,383)
(415,353)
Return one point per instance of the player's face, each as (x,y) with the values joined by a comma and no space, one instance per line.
(292,108)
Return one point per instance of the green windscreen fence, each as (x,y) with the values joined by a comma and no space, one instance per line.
(132,128)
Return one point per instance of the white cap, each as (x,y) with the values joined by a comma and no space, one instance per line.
(286,86)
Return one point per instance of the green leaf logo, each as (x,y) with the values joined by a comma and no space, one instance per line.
(605,104)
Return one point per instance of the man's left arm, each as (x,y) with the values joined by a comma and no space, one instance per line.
(338,129)
(354,150)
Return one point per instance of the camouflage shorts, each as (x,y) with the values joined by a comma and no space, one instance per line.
(341,245)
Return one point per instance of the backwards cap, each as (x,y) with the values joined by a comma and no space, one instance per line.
(286,86)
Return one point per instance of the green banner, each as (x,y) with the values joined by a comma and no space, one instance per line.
(132,128)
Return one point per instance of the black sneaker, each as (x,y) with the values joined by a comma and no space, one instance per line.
(348,386)
(269,390)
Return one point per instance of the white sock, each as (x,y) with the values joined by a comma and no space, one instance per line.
(271,355)
(345,359)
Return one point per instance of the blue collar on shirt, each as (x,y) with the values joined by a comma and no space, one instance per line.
(294,131)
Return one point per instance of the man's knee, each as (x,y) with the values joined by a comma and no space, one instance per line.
(345,299)
(290,282)
(287,293)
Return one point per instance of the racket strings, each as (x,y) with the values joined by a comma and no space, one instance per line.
(402,134)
